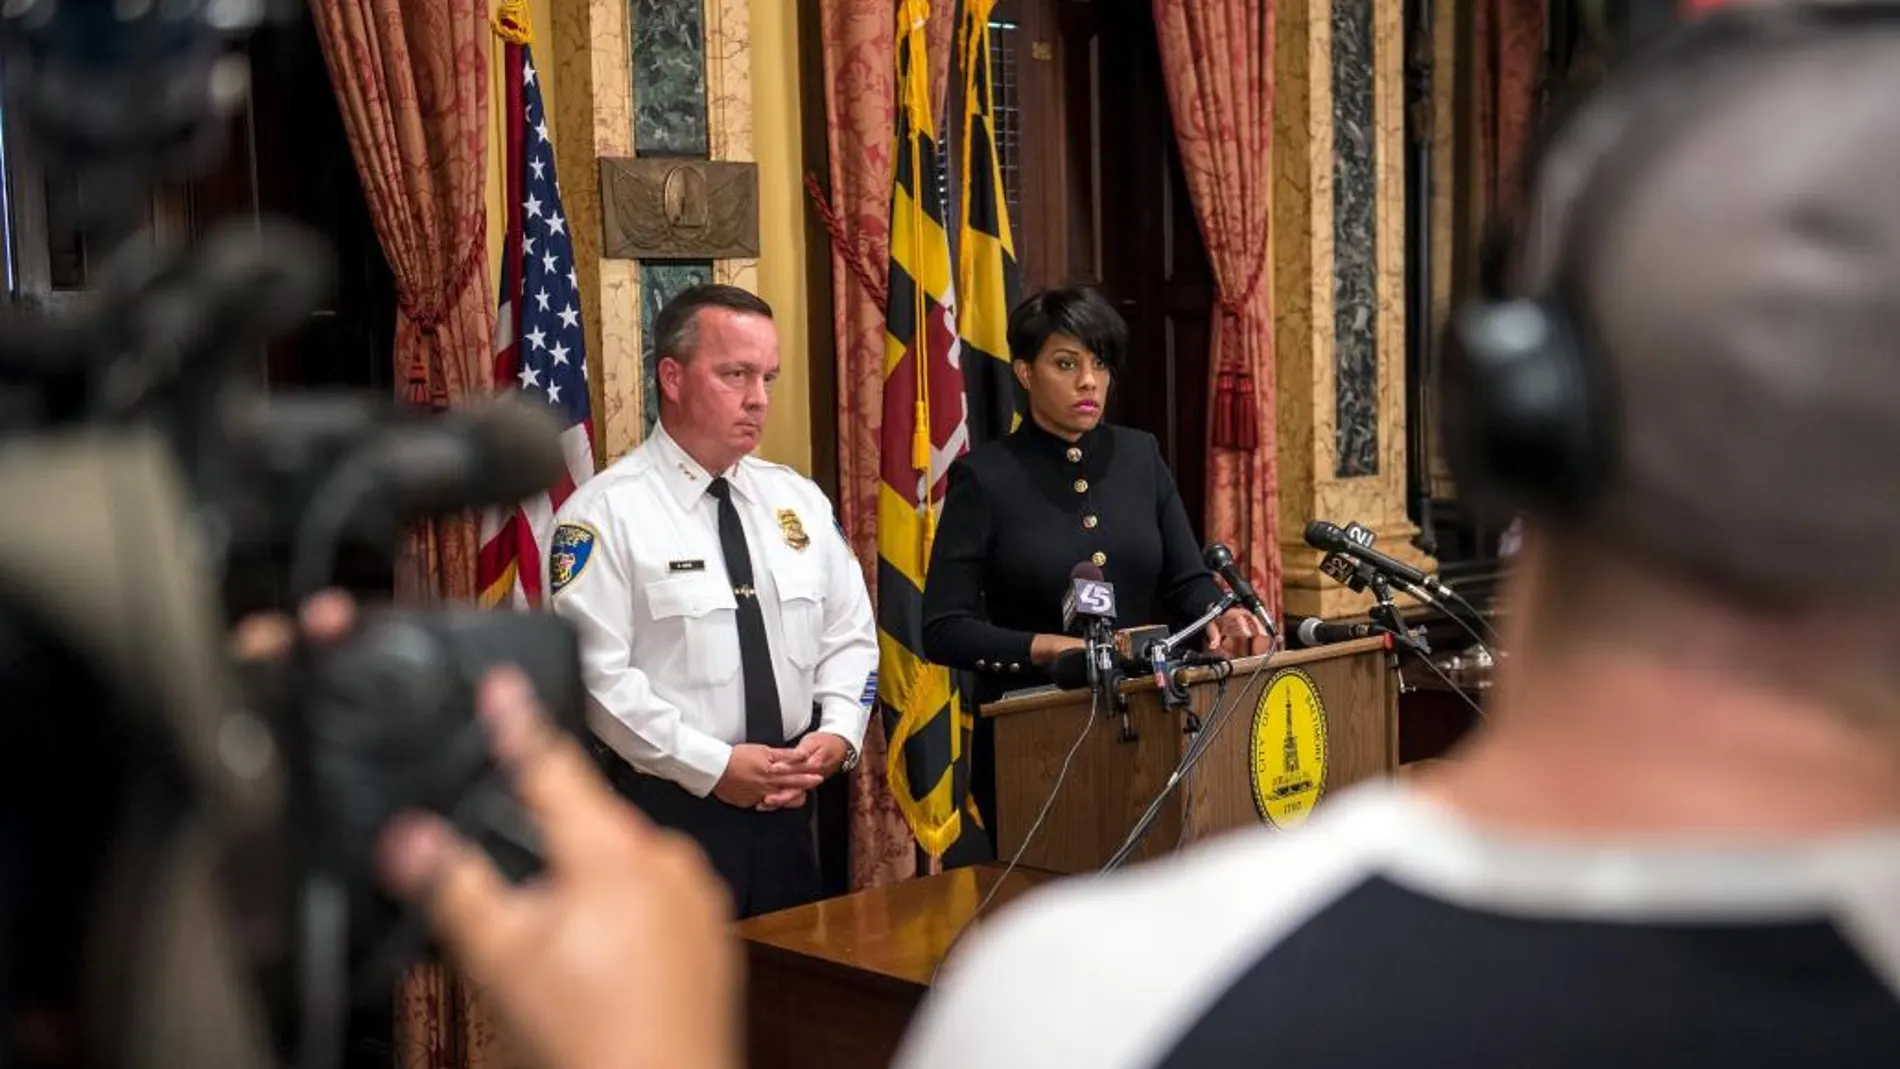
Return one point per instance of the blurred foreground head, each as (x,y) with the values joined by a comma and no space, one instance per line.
(1689,375)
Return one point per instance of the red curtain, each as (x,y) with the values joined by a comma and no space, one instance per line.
(859,43)
(411,80)
(1217,57)
(1508,65)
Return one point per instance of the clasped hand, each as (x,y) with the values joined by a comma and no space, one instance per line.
(773,777)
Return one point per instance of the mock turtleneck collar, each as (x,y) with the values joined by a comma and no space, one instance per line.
(1090,441)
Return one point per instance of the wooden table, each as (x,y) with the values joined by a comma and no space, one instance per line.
(833,985)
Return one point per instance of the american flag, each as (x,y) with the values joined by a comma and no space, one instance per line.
(538,344)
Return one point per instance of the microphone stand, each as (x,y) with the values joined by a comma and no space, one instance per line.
(1163,662)
(1386,615)
(1383,612)
(1173,694)
(1105,675)
(1167,646)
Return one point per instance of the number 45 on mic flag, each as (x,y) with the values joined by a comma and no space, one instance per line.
(1093,598)
(1342,568)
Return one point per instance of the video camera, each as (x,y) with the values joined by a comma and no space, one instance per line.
(186,844)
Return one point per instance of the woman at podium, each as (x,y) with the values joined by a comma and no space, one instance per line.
(1021,512)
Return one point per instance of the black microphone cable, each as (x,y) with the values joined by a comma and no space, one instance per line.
(1183,771)
(1203,743)
(1023,847)
(1429,598)
(1404,644)
(1224,670)
(1469,608)
(1476,708)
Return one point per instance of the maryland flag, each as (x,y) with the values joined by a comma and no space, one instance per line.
(947,386)
(988,283)
(923,431)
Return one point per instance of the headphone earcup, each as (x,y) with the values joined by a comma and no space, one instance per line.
(1523,414)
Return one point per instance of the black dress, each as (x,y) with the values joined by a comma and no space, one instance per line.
(1019,514)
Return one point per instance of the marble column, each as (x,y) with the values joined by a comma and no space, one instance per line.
(1444,191)
(1339,284)
(671,117)
(646,77)
(594,119)
(729,108)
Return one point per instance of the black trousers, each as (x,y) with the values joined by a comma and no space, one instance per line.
(975,846)
(768,861)
(983,769)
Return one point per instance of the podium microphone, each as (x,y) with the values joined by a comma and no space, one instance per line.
(1328,537)
(1089,607)
(1314,631)
(1089,601)
(1221,560)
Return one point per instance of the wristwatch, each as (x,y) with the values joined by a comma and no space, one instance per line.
(850,755)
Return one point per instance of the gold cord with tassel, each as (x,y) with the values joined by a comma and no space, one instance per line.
(511,22)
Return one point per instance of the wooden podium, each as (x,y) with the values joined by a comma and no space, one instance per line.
(1340,703)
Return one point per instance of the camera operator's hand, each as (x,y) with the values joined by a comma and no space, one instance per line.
(756,773)
(621,954)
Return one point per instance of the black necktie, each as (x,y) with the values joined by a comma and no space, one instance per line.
(763,722)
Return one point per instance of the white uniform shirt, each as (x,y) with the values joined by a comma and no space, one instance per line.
(636,566)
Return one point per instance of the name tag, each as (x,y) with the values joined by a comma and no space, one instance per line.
(686,566)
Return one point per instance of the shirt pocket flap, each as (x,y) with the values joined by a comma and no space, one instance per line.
(799,584)
(689,596)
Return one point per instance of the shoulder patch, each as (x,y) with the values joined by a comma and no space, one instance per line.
(572,548)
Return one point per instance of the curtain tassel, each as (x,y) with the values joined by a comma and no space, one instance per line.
(1236,424)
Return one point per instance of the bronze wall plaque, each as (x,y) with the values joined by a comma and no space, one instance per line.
(654,208)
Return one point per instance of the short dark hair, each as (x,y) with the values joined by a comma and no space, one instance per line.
(1081,312)
(676,328)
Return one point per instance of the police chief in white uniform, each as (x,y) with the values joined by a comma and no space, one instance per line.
(727,641)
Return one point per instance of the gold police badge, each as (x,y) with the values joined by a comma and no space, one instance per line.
(792,529)
(1288,749)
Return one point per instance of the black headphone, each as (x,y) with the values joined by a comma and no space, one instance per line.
(1528,406)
